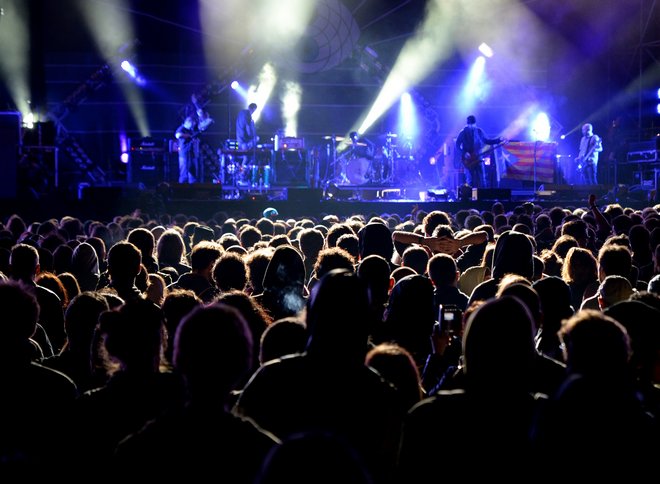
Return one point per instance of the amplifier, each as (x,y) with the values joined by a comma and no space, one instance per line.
(148,145)
(642,156)
(646,145)
(288,143)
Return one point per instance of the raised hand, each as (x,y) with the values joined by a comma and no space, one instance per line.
(445,245)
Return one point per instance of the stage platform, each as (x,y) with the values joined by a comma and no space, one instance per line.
(205,200)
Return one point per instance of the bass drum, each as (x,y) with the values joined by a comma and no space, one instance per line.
(406,170)
(357,171)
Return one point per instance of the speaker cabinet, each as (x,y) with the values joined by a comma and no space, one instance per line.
(196,191)
(10,149)
(149,169)
(304,195)
(290,168)
(494,194)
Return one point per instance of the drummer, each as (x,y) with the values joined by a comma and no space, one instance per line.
(361,146)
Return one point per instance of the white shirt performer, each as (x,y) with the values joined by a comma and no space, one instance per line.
(587,160)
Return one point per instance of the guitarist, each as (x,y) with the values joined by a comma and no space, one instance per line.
(189,154)
(587,160)
(469,146)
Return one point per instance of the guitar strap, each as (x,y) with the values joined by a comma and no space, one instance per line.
(470,142)
(590,145)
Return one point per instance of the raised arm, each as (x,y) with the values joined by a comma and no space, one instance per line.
(603,227)
(408,238)
(446,245)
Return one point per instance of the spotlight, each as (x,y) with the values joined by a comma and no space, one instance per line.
(128,67)
(29,120)
(124,158)
(485,49)
(132,71)
(234,85)
(563,136)
(540,130)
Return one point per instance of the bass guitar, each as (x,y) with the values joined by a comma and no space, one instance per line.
(471,159)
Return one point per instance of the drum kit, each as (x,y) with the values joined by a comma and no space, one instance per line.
(250,168)
(351,160)
(361,163)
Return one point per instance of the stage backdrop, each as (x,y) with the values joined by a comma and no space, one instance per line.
(527,161)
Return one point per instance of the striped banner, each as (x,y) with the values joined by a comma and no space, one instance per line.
(522,160)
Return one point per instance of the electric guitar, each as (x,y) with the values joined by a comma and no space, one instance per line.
(188,138)
(470,159)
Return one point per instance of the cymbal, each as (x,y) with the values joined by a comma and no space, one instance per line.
(336,138)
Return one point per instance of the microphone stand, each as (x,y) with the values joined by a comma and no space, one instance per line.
(536,144)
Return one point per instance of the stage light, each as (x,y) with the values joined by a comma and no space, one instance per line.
(432,42)
(485,49)
(29,120)
(540,130)
(240,90)
(124,146)
(112,29)
(133,73)
(563,136)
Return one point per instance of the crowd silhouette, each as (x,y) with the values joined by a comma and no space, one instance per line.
(320,349)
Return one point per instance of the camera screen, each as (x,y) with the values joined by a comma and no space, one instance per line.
(450,318)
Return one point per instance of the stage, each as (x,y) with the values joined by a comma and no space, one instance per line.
(205,200)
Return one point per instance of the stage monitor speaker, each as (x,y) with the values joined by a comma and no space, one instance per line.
(571,191)
(196,191)
(10,149)
(491,194)
(290,168)
(304,195)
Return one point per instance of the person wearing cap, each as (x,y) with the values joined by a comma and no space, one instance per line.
(270,213)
